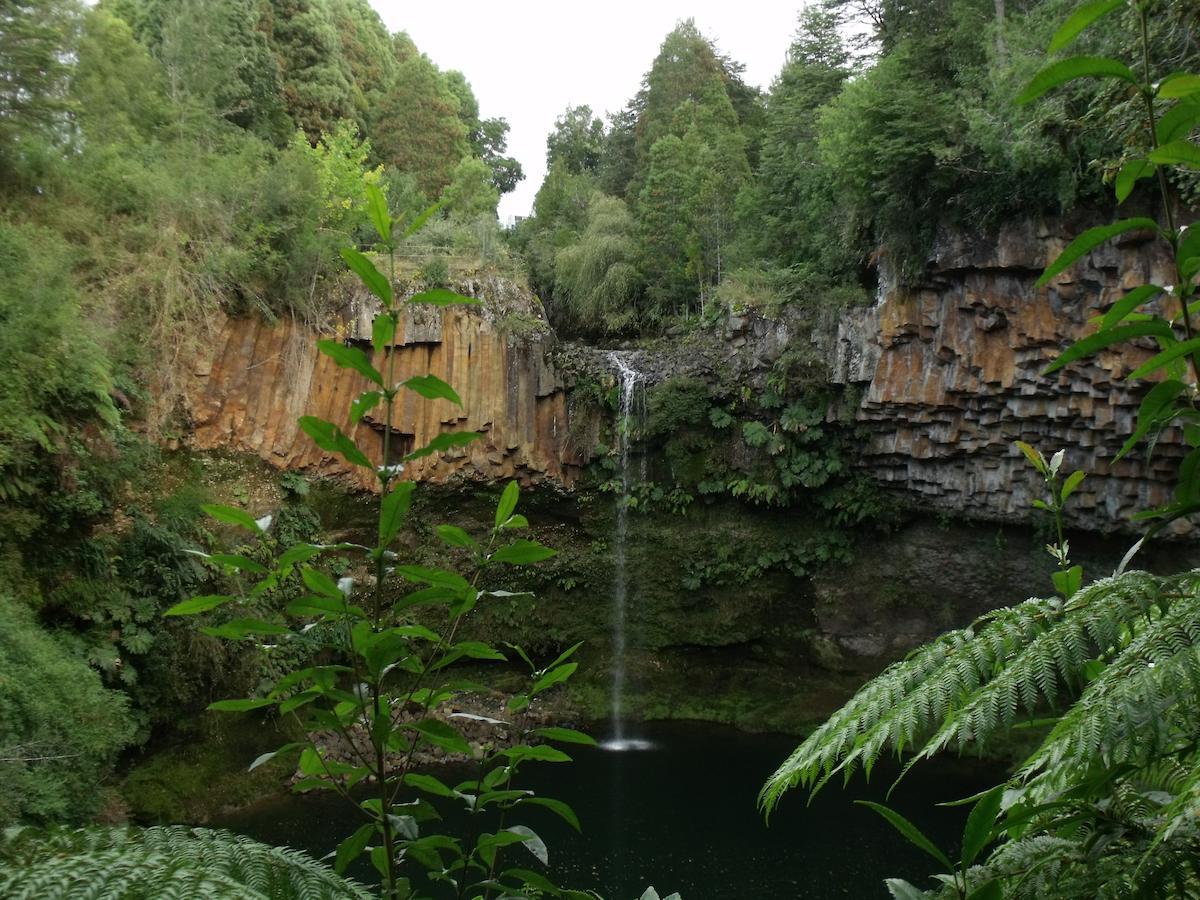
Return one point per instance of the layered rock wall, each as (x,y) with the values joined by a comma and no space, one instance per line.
(254,379)
(949,375)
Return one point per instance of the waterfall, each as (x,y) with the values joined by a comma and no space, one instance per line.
(630,381)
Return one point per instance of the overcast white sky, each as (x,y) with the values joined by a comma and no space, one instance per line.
(527,60)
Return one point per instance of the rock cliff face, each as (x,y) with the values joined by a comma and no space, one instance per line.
(246,390)
(949,375)
(943,378)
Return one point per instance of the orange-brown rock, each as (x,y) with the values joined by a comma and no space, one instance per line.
(247,388)
(951,375)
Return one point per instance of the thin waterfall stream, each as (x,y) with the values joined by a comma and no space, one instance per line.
(630,381)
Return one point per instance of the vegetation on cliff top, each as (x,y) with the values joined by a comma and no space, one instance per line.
(703,190)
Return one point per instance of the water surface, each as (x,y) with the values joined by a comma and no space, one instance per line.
(681,816)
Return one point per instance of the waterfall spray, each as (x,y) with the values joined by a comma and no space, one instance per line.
(630,380)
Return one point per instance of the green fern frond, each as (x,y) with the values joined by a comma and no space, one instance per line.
(969,684)
(161,862)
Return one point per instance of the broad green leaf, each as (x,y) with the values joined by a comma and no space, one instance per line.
(298,553)
(1032,455)
(978,831)
(567,735)
(240,705)
(1179,121)
(419,222)
(1130,174)
(363,404)
(445,441)
(1069,581)
(442,297)
(352,847)
(432,388)
(438,577)
(377,212)
(902,890)
(1090,240)
(522,553)
(1127,304)
(428,784)
(1101,339)
(442,735)
(236,629)
(910,831)
(470,650)
(536,753)
(198,605)
(267,757)
(434,594)
(240,563)
(454,536)
(1177,153)
(350,358)
(508,502)
(1188,247)
(1157,408)
(1177,351)
(1081,19)
(232,516)
(1076,67)
(1071,484)
(394,510)
(316,605)
(553,677)
(535,880)
(320,583)
(1180,84)
(564,656)
(329,437)
(563,810)
(531,842)
(992,890)
(370,276)
(383,332)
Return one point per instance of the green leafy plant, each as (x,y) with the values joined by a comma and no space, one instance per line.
(1068,578)
(384,679)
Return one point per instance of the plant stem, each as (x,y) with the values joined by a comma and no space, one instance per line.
(1163,187)
(377,734)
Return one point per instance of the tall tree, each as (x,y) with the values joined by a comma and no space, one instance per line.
(685,68)
(668,240)
(577,141)
(36,39)
(795,198)
(318,84)
(416,126)
(367,49)
(488,137)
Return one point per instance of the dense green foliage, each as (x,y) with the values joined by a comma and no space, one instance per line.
(60,728)
(841,175)
(163,164)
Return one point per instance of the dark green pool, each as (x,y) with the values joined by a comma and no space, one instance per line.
(682,816)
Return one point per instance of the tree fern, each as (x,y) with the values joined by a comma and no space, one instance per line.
(971,683)
(1108,805)
(160,862)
